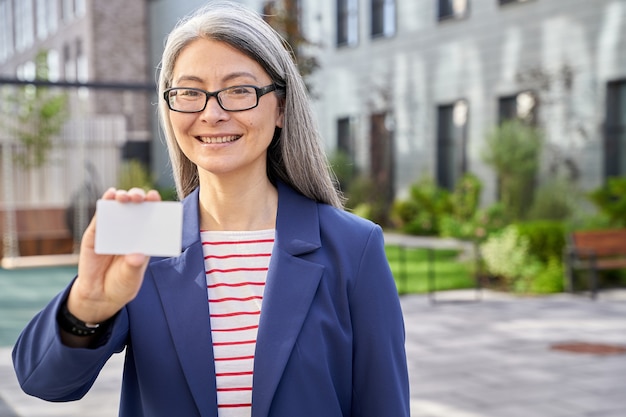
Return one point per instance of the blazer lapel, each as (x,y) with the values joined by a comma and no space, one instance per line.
(181,283)
(289,291)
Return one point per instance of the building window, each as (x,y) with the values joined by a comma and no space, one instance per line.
(346,152)
(345,136)
(53,65)
(6,30)
(382,157)
(451,143)
(347,22)
(24,24)
(501,2)
(42,18)
(615,130)
(53,16)
(453,9)
(81,8)
(383,18)
(67,10)
(521,106)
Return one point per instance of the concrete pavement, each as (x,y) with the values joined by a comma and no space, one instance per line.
(492,358)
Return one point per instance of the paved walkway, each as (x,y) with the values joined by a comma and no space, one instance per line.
(492,358)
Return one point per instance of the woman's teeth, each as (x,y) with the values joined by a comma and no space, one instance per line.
(223,139)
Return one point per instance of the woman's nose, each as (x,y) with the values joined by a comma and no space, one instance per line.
(213,111)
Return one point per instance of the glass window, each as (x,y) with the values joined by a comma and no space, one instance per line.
(511,1)
(53,15)
(82,69)
(53,65)
(6,30)
(81,8)
(24,24)
(42,18)
(453,9)
(522,106)
(383,18)
(452,121)
(347,22)
(68,10)
(615,130)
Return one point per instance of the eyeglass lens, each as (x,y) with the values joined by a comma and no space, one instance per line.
(194,100)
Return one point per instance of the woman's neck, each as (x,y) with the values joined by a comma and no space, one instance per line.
(238,205)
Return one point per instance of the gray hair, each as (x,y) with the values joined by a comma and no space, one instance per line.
(295,155)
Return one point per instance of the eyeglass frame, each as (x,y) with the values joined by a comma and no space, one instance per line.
(260,92)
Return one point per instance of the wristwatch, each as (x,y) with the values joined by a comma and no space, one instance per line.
(71,324)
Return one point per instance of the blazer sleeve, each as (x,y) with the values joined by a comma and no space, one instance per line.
(48,369)
(380,376)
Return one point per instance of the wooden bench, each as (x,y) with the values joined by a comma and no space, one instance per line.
(40,231)
(594,250)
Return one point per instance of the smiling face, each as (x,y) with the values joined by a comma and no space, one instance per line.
(219,142)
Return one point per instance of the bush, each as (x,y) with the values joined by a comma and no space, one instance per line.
(610,199)
(546,239)
(512,150)
(506,256)
(433,210)
(549,279)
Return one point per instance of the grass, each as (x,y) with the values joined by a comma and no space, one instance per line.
(412,275)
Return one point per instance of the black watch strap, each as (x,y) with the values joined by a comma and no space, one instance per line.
(71,324)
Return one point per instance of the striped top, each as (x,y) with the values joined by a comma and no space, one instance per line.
(236,265)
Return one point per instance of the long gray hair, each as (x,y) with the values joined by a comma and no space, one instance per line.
(295,155)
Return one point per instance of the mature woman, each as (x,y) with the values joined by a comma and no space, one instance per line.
(302,317)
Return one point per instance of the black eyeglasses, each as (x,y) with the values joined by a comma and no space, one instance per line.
(236,98)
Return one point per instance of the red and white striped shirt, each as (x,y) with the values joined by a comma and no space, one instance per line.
(236,266)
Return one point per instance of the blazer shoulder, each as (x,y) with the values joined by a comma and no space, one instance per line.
(345,223)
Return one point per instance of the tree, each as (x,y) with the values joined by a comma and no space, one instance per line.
(513,150)
(39,116)
(284,16)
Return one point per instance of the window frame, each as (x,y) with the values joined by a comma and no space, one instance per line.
(451,144)
(347,16)
(383,18)
(451,15)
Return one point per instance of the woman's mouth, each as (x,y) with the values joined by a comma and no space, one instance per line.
(217,139)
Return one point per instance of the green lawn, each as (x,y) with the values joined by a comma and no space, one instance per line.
(449,272)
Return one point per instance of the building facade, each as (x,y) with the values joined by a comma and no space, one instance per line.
(412,88)
(86,42)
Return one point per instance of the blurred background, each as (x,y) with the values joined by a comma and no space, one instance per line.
(483,135)
(517,105)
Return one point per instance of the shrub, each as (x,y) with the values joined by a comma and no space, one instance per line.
(546,239)
(549,279)
(506,256)
(610,199)
(512,150)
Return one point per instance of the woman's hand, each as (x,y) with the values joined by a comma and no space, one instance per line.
(106,283)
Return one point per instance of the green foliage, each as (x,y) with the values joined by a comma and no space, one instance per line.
(555,199)
(610,199)
(40,115)
(526,257)
(466,197)
(432,210)
(546,239)
(506,256)
(549,279)
(133,173)
(412,276)
(420,213)
(513,150)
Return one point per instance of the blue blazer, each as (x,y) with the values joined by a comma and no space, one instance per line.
(330,340)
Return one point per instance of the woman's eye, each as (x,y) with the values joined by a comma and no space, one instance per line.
(188,93)
(240,90)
